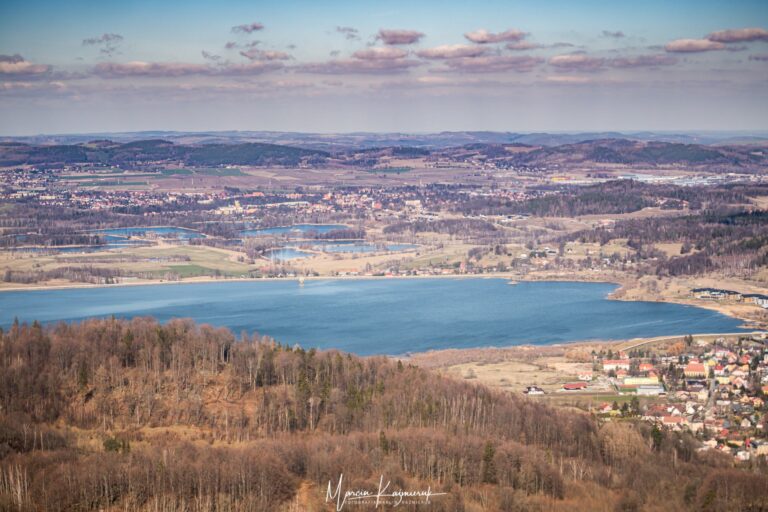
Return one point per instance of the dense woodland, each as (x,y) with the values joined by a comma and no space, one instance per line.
(629,152)
(447,226)
(732,241)
(134,415)
(620,196)
(140,153)
(137,153)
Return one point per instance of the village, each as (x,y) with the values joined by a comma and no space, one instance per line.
(714,387)
(721,295)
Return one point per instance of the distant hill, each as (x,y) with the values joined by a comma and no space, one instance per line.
(622,151)
(611,151)
(104,152)
(359,140)
(510,153)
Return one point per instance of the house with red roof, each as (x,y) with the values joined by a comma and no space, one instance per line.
(616,364)
(645,367)
(695,370)
(674,422)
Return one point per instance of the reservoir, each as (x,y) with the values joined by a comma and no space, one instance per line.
(296,230)
(382,316)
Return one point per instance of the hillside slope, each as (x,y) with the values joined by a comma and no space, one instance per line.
(134,415)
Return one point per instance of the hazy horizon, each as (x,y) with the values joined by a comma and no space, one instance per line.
(671,132)
(344,66)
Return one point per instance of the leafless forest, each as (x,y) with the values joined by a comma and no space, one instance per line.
(134,415)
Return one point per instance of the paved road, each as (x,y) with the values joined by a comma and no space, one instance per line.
(639,342)
(711,399)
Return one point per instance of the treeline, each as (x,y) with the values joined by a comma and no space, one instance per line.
(91,274)
(339,234)
(54,239)
(621,196)
(134,415)
(614,197)
(83,274)
(445,226)
(735,242)
(296,390)
(30,223)
(651,153)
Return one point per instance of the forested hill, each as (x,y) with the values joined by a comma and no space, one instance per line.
(594,153)
(621,151)
(615,152)
(134,415)
(155,151)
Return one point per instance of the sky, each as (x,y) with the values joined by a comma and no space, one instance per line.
(85,66)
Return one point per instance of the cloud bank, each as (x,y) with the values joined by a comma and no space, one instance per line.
(693,46)
(248,28)
(396,37)
(482,36)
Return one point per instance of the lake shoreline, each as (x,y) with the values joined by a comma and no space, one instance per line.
(467,352)
(622,283)
(512,369)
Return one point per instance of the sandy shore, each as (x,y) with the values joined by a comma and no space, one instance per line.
(207,279)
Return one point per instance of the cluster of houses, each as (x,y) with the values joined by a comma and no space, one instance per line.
(719,294)
(716,391)
(633,377)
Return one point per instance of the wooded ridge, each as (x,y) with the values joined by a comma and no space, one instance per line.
(137,415)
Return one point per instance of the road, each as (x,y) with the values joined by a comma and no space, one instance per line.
(639,342)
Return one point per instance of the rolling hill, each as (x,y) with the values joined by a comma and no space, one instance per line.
(154,151)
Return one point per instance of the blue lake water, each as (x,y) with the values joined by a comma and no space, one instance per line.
(295,230)
(361,247)
(342,246)
(165,231)
(287,253)
(386,316)
(118,238)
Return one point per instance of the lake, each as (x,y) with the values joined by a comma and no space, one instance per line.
(349,246)
(118,238)
(286,254)
(384,316)
(161,231)
(294,230)
(342,246)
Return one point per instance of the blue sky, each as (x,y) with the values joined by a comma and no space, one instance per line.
(90,66)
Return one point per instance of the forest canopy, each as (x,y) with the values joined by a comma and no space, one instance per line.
(140,415)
